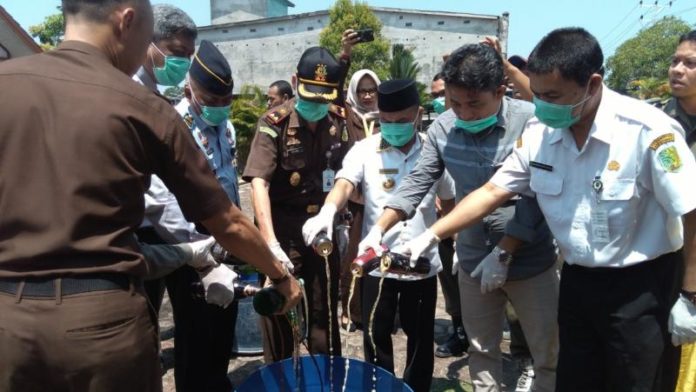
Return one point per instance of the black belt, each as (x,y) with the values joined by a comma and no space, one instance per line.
(46,287)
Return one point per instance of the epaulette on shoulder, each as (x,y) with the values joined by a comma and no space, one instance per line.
(277,115)
(337,110)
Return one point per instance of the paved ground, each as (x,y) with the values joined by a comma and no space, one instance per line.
(451,374)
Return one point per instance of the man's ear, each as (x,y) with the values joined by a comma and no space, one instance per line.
(187,91)
(596,81)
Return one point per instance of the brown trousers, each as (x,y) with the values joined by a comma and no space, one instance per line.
(103,341)
(278,336)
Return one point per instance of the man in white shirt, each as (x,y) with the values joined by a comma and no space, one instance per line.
(613,177)
(376,165)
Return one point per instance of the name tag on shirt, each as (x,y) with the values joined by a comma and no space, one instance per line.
(600,225)
(327,179)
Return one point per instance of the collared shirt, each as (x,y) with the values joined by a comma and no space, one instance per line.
(162,211)
(78,144)
(472,160)
(644,175)
(292,158)
(218,144)
(377,169)
(688,122)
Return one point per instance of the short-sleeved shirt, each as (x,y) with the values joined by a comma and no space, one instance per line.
(634,176)
(78,144)
(377,169)
(472,159)
(292,158)
(218,144)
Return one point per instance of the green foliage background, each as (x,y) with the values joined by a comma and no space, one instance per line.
(346,14)
(639,66)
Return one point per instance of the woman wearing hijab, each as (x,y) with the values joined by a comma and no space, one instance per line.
(362,120)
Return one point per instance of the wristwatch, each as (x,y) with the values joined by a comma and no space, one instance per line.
(504,256)
(689,295)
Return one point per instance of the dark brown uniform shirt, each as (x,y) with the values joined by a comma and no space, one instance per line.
(291,158)
(78,142)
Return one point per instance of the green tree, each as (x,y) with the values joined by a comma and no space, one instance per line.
(50,32)
(247,108)
(403,65)
(646,56)
(346,14)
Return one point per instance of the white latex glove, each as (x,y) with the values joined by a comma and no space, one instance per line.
(342,239)
(280,255)
(202,258)
(417,246)
(218,283)
(682,322)
(323,221)
(373,240)
(493,273)
(455,263)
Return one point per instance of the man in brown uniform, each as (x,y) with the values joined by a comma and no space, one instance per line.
(78,144)
(297,149)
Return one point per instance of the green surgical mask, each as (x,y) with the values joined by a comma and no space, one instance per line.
(476,126)
(556,116)
(311,111)
(439,105)
(212,115)
(174,70)
(397,134)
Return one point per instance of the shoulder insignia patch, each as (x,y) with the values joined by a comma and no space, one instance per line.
(337,110)
(664,139)
(276,116)
(518,144)
(269,131)
(669,159)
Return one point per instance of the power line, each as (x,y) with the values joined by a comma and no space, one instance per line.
(620,23)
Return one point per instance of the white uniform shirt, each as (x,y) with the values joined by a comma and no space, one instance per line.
(646,172)
(369,166)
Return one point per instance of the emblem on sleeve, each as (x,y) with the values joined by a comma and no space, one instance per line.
(614,166)
(669,159)
(519,142)
(664,139)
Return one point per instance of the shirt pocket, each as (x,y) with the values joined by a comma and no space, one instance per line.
(547,186)
(293,158)
(619,198)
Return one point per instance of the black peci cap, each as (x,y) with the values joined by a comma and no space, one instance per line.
(211,70)
(318,75)
(398,94)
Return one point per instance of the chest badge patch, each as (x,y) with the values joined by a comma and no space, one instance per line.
(614,166)
(388,184)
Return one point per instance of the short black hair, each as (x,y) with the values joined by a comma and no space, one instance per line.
(284,88)
(690,36)
(438,76)
(96,10)
(474,67)
(573,51)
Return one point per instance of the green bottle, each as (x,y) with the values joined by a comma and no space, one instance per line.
(268,301)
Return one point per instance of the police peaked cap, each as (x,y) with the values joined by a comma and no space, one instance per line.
(318,75)
(398,94)
(211,70)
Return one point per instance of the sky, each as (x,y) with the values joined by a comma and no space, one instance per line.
(611,21)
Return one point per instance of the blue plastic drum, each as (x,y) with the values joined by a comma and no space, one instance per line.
(314,377)
(248,338)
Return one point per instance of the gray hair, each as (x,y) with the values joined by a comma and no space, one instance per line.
(170,21)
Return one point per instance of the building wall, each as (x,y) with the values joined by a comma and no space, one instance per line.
(263,51)
(13,43)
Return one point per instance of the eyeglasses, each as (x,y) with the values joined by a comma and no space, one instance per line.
(366,91)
